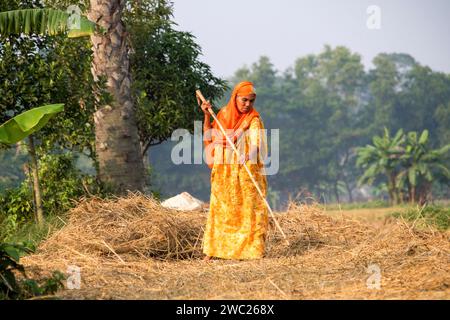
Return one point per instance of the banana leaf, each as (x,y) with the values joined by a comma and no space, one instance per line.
(44,21)
(26,123)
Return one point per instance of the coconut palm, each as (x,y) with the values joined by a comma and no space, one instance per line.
(117,141)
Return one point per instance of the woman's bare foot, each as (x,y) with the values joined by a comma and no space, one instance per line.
(207,258)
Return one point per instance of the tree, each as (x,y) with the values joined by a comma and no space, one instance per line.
(324,108)
(116,134)
(154,97)
(166,71)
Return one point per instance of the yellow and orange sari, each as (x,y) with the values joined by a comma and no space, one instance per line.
(238,218)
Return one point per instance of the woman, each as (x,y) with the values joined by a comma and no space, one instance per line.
(238,219)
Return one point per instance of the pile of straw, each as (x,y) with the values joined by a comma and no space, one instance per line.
(134,248)
(135,225)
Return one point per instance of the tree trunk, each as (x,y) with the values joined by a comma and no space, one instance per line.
(424,193)
(349,190)
(39,214)
(392,189)
(413,194)
(344,177)
(116,135)
(336,192)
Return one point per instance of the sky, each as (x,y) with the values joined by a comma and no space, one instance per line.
(234,33)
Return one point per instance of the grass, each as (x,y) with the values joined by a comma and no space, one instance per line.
(357,205)
(436,215)
(375,215)
(422,217)
(29,233)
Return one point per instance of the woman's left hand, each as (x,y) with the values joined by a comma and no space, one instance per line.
(244,158)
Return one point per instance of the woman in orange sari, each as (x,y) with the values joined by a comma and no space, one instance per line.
(238,218)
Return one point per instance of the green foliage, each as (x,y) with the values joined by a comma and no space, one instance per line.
(10,225)
(28,122)
(171,179)
(11,287)
(9,262)
(43,287)
(17,201)
(11,167)
(383,157)
(316,107)
(442,118)
(38,69)
(325,105)
(166,69)
(28,232)
(429,215)
(406,161)
(61,184)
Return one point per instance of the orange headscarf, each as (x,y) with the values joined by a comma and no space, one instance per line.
(231,118)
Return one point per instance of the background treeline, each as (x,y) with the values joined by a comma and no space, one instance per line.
(326,106)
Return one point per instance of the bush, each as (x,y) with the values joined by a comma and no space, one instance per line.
(61,183)
(29,232)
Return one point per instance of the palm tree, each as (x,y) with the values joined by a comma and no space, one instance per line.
(116,134)
(117,141)
(382,158)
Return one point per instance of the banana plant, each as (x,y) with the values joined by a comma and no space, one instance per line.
(38,21)
(45,21)
(382,158)
(23,126)
(421,166)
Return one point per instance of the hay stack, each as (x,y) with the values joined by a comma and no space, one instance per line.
(307,228)
(135,225)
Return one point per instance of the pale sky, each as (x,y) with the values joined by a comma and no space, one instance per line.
(237,32)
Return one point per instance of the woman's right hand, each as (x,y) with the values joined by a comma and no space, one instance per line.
(205,106)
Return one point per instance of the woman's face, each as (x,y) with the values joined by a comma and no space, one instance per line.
(245,103)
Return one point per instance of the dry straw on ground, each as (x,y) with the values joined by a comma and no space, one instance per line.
(132,248)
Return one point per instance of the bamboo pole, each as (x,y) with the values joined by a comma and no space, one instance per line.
(201,98)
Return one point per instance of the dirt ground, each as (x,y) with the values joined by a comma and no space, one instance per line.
(354,254)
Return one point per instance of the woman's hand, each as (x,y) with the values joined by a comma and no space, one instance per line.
(244,158)
(205,106)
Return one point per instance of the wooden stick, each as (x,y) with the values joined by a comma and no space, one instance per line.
(201,98)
